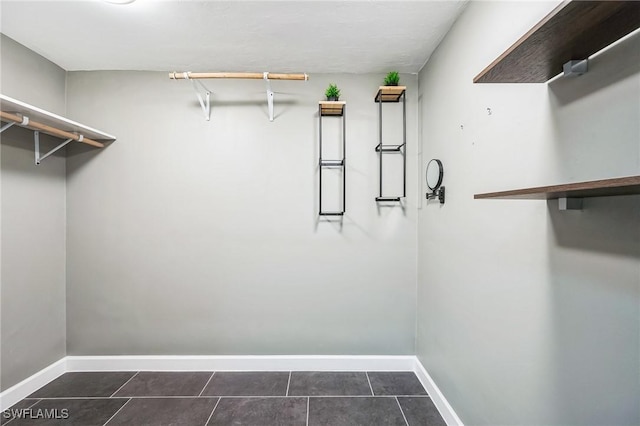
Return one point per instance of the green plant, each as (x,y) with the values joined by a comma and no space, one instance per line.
(392,79)
(332,92)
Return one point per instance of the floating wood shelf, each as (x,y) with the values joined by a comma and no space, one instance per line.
(596,188)
(332,107)
(390,93)
(574,30)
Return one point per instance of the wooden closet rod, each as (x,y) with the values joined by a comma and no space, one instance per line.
(251,75)
(34,125)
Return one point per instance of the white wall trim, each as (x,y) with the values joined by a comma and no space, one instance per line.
(241,363)
(31,384)
(231,363)
(441,403)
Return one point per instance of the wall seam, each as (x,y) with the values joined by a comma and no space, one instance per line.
(418,209)
(66,219)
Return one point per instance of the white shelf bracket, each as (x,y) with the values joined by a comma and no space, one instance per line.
(205,101)
(36,142)
(565,203)
(25,122)
(265,76)
(6,126)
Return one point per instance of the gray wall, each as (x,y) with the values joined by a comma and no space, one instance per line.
(529,315)
(33,222)
(195,237)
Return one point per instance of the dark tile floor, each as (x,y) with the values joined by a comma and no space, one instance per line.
(228,398)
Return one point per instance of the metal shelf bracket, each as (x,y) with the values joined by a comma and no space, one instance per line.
(265,76)
(36,142)
(565,203)
(6,126)
(25,122)
(575,68)
(205,101)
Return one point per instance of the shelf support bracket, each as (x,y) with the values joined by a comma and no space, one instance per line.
(205,101)
(565,203)
(25,122)
(36,142)
(575,68)
(6,126)
(265,76)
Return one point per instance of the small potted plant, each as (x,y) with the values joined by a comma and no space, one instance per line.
(392,79)
(332,93)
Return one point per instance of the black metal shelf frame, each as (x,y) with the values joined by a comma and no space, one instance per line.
(340,164)
(381,149)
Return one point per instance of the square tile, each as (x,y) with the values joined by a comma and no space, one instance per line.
(165,411)
(396,383)
(420,411)
(247,384)
(153,383)
(260,411)
(328,384)
(364,411)
(92,384)
(71,412)
(9,413)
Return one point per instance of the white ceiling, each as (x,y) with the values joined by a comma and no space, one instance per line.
(253,36)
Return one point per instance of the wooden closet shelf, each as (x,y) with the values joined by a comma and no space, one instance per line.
(574,30)
(629,185)
(50,123)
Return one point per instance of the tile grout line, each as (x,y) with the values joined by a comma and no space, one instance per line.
(30,406)
(308,410)
(402,412)
(119,409)
(214,409)
(369,381)
(288,383)
(84,397)
(226,396)
(125,384)
(206,384)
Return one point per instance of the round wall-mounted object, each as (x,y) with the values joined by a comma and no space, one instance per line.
(434,174)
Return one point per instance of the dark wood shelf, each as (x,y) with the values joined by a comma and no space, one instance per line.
(335,108)
(629,185)
(574,30)
(390,93)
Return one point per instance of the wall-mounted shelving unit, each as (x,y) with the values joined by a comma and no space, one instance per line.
(392,94)
(574,30)
(629,185)
(332,109)
(15,112)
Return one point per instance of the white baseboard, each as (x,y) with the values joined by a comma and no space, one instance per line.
(241,363)
(441,403)
(31,384)
(231,363)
